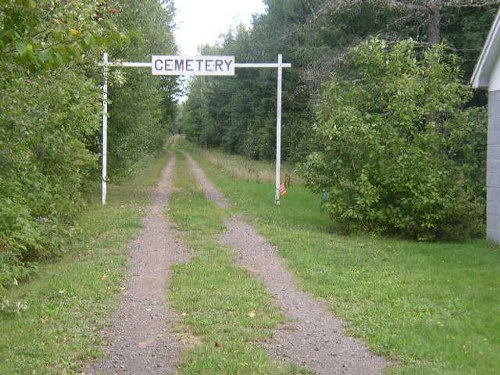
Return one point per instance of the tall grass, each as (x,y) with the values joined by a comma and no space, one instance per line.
(247,170)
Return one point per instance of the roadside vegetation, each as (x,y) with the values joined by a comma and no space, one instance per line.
(377,109)
(432,308)
(415,168)
(52,324)
(429,307)
(316,36)
(397,150)
(388,139)
(50,115)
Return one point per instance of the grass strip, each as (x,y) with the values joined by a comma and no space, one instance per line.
(70,299)
(227,312)
(432,307)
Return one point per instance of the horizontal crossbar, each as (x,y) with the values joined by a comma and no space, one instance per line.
(262,65)
(130,64)
(124,64)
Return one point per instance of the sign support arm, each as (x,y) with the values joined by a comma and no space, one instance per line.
(104,127)
(278,128)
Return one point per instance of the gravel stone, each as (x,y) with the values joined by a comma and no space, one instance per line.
(311,335)
(140,341)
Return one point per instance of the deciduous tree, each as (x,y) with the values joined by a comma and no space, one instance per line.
(398,153)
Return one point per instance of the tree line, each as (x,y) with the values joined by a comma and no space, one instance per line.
(391,72)
(50,113)
(377,110)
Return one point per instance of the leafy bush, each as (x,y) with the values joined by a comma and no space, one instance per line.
(45,120)
(50,111)
(398,151)
(142,106)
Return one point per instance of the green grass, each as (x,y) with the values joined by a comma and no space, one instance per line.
(256,171)
(71,298)
(226,312)
(433,308)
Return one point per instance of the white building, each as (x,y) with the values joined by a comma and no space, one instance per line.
(487,75)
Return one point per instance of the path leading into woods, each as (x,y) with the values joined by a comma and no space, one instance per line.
(312,336)
(140,339)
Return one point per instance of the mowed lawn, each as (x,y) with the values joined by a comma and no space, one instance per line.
(433,308)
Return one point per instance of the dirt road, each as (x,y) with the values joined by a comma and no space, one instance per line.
(313,337)
(141,341)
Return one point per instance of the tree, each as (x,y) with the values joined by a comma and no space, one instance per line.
(398,153)
(316,36)
(142,106)
(429,10)
(47,34)
(48,113)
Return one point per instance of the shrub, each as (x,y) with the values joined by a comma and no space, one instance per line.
(398,151)
(45,120)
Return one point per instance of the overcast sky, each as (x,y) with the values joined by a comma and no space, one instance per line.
(202,21)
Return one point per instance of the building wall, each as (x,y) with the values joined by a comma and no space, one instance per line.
(494,78)
(493,170)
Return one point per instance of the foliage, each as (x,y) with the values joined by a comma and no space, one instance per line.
(50,115)
(398,153)
(141,105)
(238,114)
(47,34)
(44,161)
(215,116)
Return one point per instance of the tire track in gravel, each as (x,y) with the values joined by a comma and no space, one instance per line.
(312,337)
(139,336)
(211,192)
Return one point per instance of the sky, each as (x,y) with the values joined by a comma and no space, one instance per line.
(202,21)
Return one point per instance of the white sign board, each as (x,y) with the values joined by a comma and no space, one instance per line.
(193,65)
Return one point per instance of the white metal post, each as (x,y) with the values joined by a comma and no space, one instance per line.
(104,127)
(278,129)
